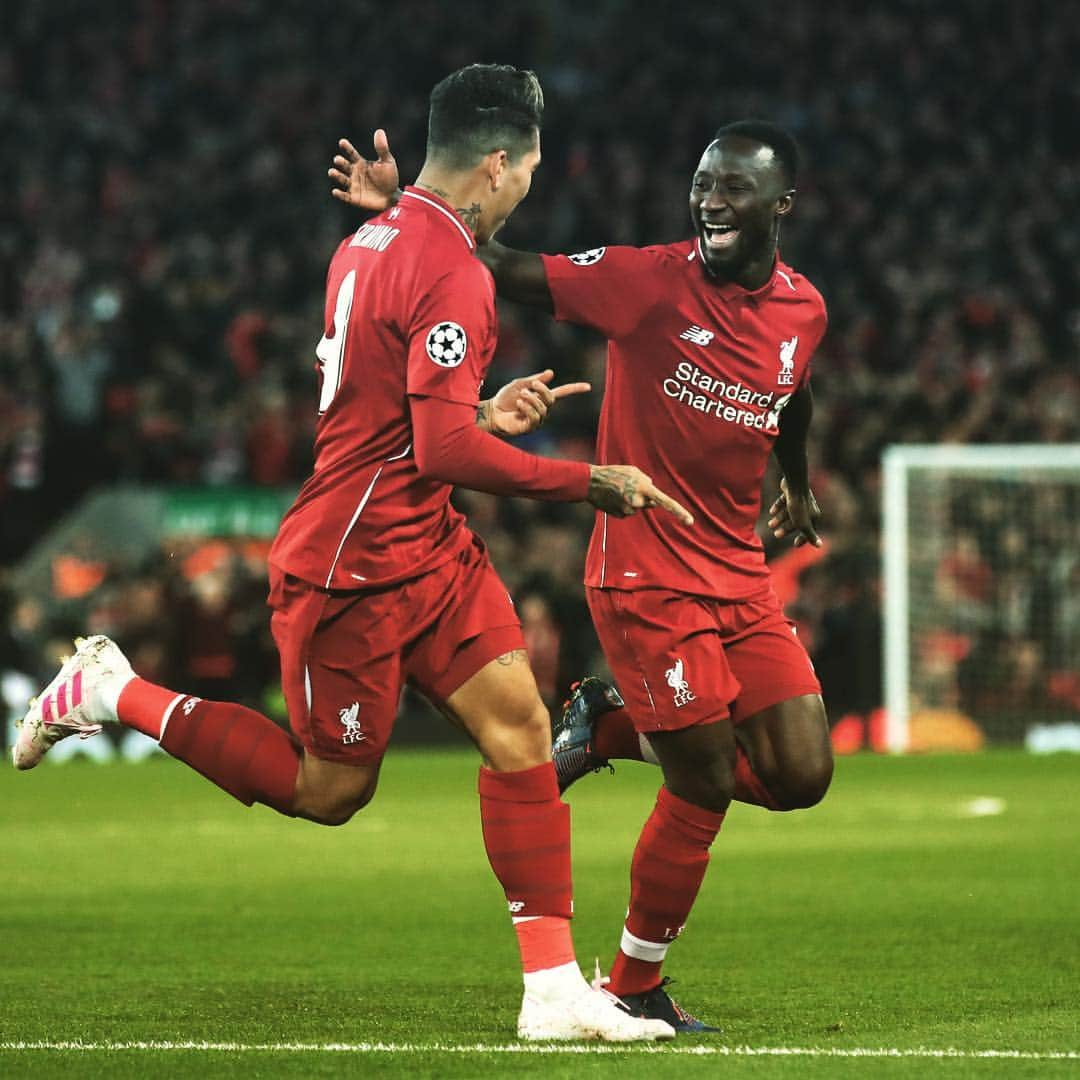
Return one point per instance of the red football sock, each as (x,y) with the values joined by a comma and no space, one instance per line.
(544,942)
(527,836)
(236,748)
(615,737)
(667,870)
(748,787)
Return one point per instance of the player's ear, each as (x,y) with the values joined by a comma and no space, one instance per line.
(495,165)
(784,203)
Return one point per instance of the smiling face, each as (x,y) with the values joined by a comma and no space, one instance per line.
(737,197)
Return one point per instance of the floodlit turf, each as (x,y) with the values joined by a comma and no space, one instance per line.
(141,905)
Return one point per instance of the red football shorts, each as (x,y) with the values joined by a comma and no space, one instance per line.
(681,660)
(345,656)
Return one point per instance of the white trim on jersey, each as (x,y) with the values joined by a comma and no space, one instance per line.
(690,258)
(446,213)
(359,509)
(603,553)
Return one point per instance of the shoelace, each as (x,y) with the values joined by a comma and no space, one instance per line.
(84,731)
(600,981)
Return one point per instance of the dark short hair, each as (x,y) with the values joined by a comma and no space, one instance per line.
(774,137)
(481,108)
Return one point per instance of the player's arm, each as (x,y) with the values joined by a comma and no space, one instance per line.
(373,186)
(796,510)
(519,275)
(449,447)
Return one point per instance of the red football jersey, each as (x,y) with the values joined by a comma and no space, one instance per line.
(698,373)
(410,310)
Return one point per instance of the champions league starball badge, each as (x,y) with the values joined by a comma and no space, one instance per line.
(447,344)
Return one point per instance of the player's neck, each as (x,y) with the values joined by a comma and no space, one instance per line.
(757,272)
(751,276)
(461,191)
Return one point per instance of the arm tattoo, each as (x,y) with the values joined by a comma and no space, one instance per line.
(515,657)
(483,415)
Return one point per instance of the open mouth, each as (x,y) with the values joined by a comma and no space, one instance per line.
(718,237)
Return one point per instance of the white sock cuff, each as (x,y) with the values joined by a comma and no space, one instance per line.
(650,951)
(647,752)
(109,691)
(557,982)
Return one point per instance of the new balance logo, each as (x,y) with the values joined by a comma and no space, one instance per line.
(787,362)
(348,717)
(189,706)
(674,676)
(698,335)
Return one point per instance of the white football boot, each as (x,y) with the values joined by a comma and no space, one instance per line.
(78,701)
(585,1013)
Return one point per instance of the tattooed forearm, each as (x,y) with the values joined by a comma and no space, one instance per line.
(518,656)
(616,489)
(483,415)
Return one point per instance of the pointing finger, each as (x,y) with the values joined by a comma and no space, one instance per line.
(656,497)
(571,388)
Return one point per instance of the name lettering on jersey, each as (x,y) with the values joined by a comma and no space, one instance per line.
(733,402)
(787,362)
(697,334)
(587,258)
(375,237)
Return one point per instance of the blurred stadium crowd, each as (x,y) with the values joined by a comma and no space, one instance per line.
(166,227)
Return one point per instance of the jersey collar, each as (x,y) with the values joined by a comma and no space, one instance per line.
(731,289)
(442,209)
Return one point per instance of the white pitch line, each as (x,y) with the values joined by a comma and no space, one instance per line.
(549,1048)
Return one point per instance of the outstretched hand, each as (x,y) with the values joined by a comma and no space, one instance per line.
(795,513)
(522,405)
(367,185)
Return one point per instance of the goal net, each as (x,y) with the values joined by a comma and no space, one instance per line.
(981,550)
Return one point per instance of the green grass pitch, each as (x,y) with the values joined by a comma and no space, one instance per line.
(908,912)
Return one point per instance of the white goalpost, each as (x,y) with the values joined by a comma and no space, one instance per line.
(981,575)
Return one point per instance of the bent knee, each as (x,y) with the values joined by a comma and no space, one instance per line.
(517,739)
(801,788)
(711,787)
(335,807)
